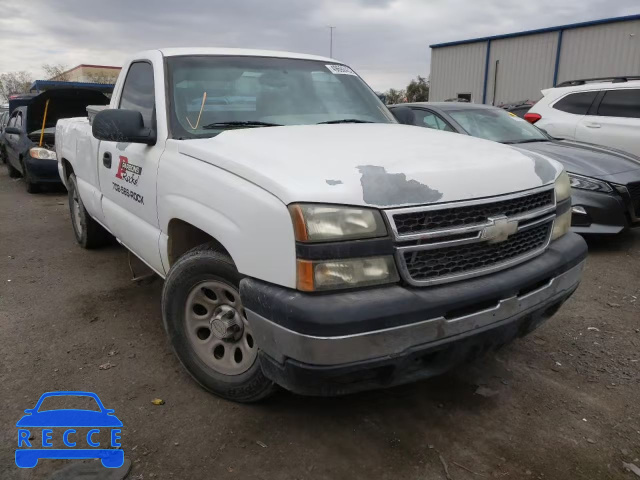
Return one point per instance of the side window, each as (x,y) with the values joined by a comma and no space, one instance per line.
(620,103)
(428,119)
(19,120)
(138,92)
(576,103)
(12,121)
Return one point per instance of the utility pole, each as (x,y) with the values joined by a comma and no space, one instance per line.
(331,41)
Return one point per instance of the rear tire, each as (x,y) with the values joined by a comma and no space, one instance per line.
(200,294)
(89,233)
(13,172)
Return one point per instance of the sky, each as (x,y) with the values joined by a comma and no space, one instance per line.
(385,41)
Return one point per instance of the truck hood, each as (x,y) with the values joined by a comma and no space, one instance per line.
(585,158)
(381,165)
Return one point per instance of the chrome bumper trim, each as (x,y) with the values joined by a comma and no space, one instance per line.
(280,343)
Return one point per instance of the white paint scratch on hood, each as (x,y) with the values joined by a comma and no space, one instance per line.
(383,165)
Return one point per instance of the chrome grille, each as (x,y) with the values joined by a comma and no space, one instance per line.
(448,242)
(434,264)
(419,221)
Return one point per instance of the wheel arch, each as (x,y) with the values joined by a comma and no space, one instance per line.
(182,236)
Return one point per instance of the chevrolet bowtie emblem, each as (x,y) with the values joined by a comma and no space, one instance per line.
(499,230)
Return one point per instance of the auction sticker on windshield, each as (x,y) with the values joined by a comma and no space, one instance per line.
(91,432)
(341,70)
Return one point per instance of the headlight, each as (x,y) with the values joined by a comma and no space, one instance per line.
(563,187)
(350,273)
(42,153)
(588,183)
(325,223)
(561,225)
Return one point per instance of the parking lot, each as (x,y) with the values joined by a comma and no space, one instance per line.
(559,404)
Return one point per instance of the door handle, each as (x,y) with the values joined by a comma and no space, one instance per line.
(106,159)
(593,125)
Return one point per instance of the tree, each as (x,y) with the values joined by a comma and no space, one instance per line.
(395,96)
(418,90)
(14,82)
(56,72)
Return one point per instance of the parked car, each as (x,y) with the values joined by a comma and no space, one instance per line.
(311,241)
(4,119)
(518,108)
(594,111)
(605,182)
(30,151)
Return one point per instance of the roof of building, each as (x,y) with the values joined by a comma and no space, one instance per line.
(569,26)
(172,52)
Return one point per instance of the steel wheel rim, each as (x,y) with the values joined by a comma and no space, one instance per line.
(75,209)
(211,306)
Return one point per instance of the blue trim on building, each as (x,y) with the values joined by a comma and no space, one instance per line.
(40,85)
(558,52)
(486,72)
(540,30)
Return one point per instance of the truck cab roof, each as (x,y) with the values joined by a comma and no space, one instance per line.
(241,52)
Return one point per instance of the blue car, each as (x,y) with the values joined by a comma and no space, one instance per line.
(28,455)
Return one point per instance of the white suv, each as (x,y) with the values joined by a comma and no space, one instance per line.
(605,113)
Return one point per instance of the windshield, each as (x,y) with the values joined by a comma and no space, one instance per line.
(209,94)
(497,125)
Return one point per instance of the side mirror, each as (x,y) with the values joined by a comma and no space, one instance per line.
(126,126)
(12,131)
(404,115)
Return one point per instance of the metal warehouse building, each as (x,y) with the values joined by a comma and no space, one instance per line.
(515,67)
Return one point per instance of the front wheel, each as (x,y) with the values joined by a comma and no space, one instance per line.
(208,327)
(32,187)
(13,172)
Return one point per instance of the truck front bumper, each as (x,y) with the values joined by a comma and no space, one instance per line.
(339,343)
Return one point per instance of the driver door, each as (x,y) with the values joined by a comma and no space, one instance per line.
(128,172)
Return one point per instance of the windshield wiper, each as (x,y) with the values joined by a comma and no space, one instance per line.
(250,123)
(530,140)
(345,120)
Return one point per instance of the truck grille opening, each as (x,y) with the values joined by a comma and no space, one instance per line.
(450,242)
(432,264)
(416,222)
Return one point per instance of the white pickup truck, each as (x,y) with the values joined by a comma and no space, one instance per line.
(306,238)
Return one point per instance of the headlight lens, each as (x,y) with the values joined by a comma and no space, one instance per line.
(350,273)
(563,187)
(561,225)
(325,223)
(42,153)
(588,183)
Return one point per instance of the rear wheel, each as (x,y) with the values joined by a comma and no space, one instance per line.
(88,232)
(208,328)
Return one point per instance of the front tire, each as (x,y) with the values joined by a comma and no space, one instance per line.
(207,326)
(13,172)
(32,187)
(89,233)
